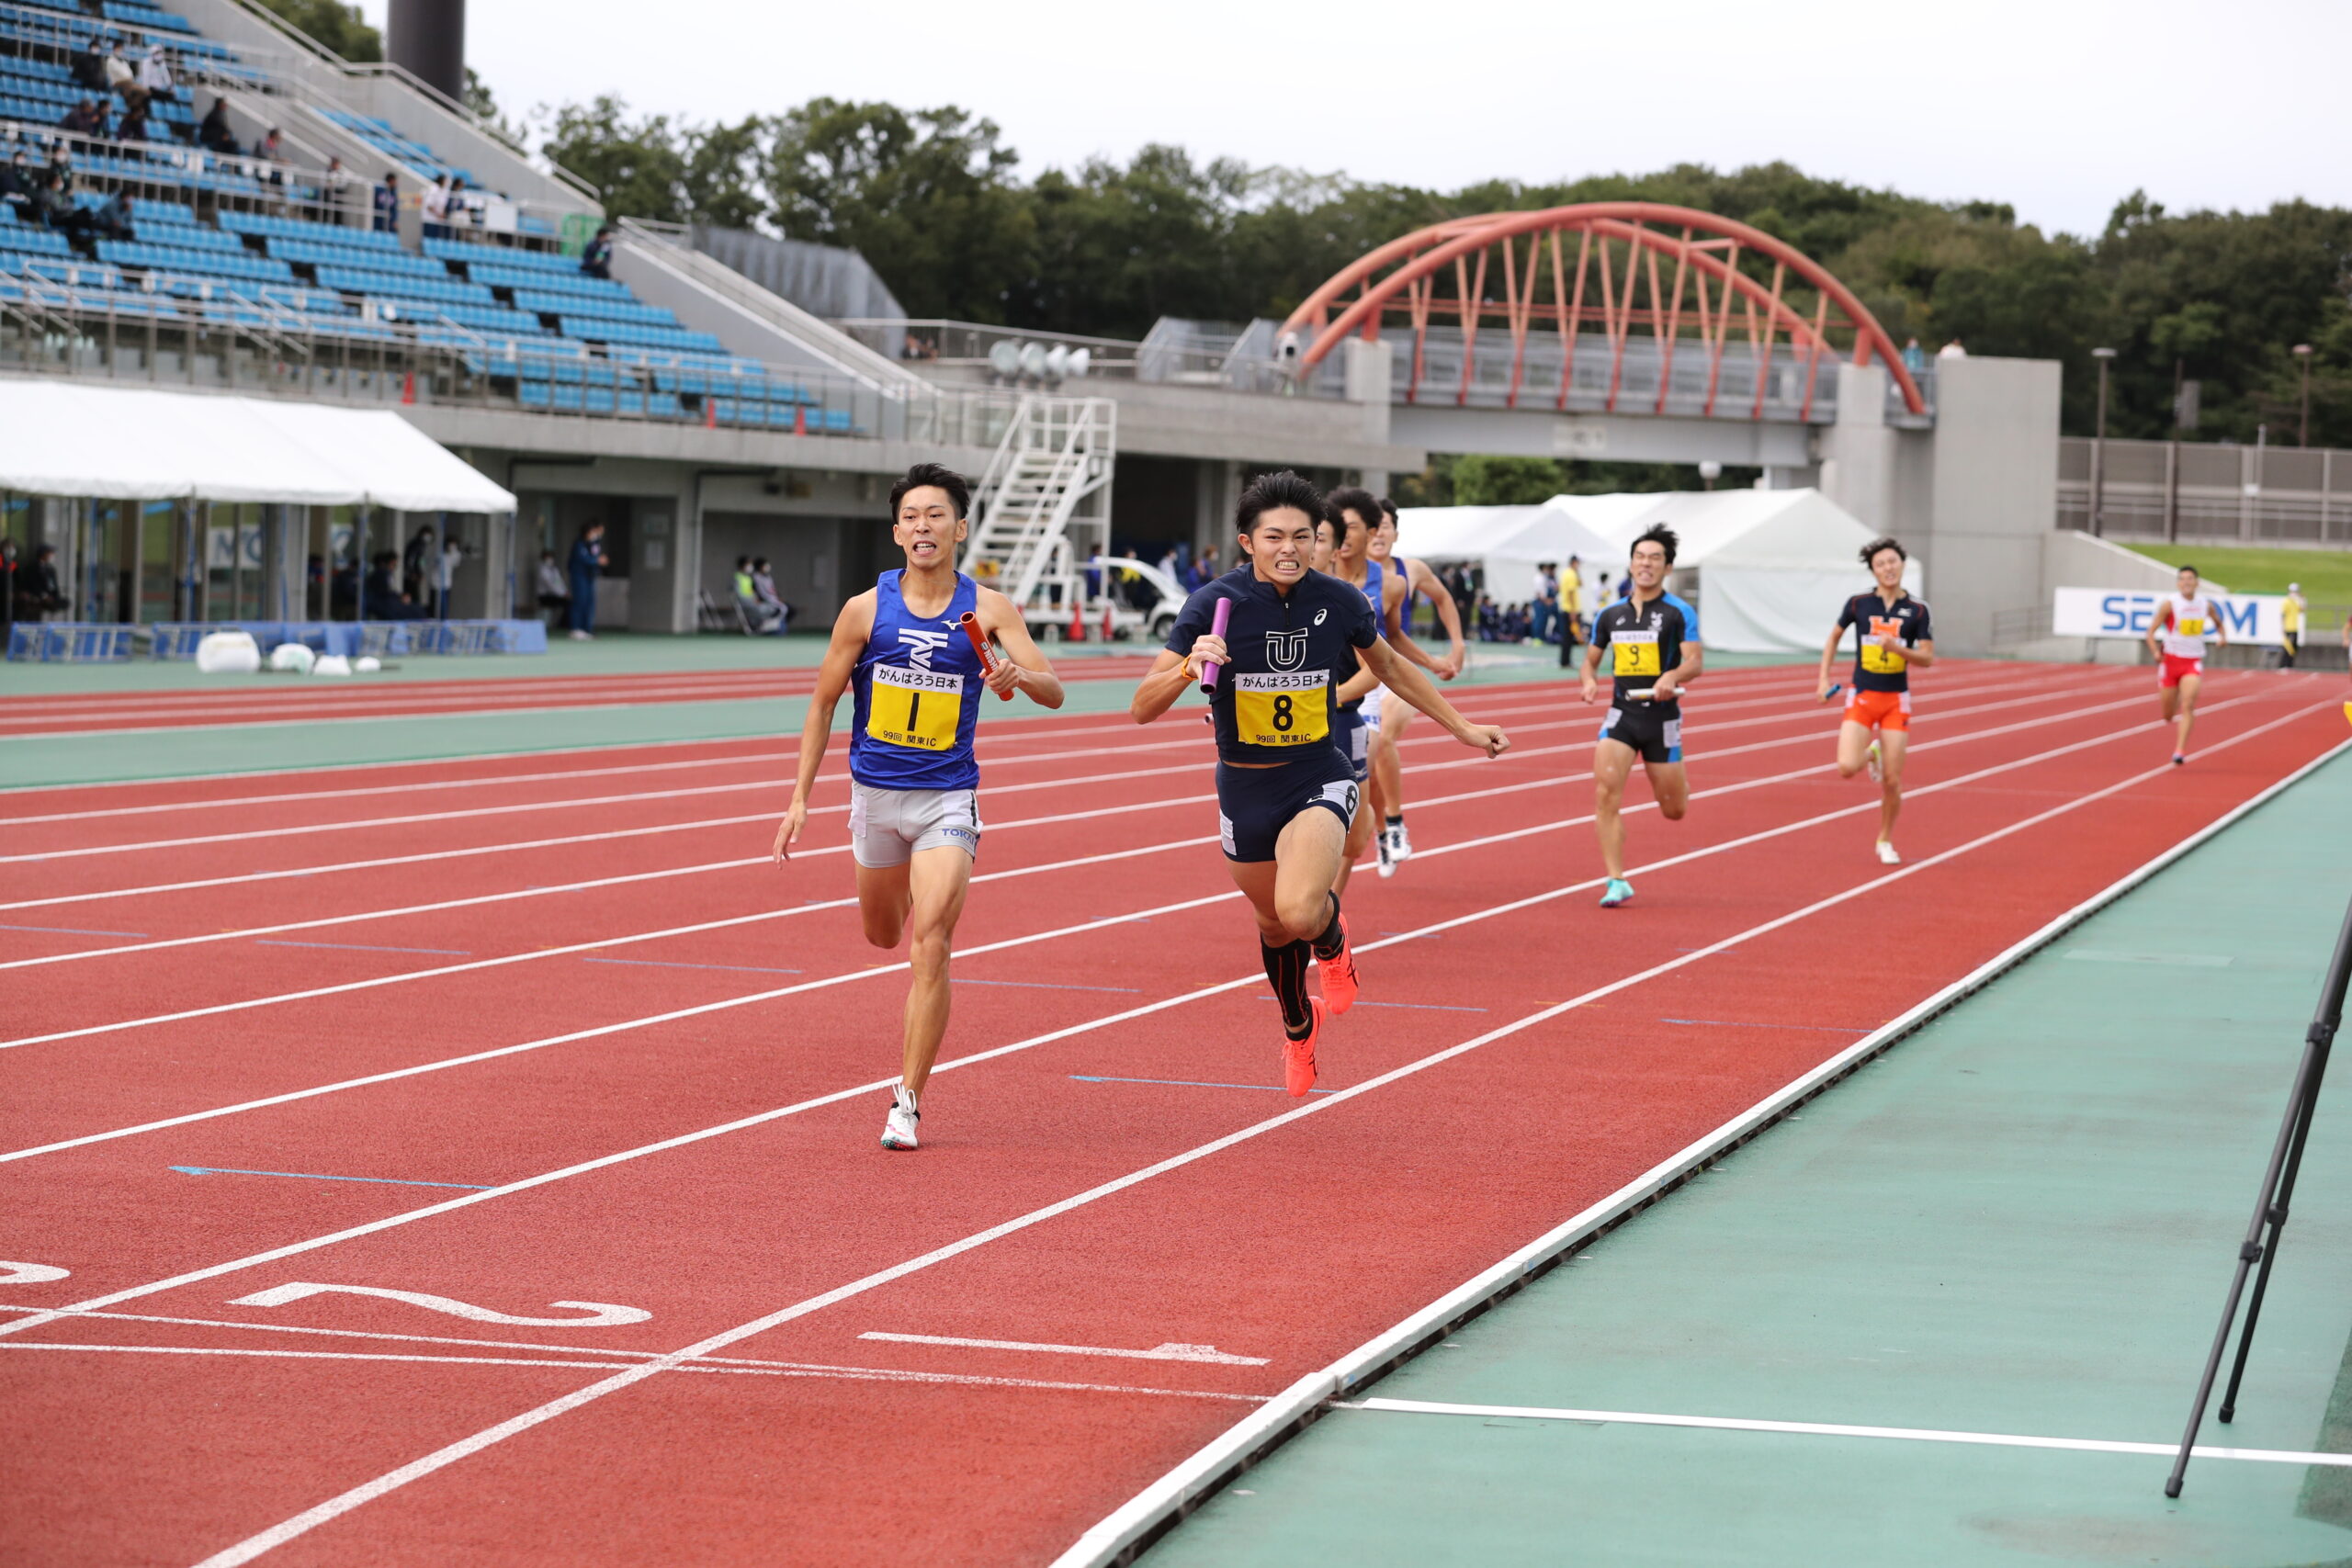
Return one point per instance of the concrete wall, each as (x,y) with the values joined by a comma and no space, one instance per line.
(1991,491)
(2074,559)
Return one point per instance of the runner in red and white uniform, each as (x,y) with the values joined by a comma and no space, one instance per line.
(2185,622)
(1892,635)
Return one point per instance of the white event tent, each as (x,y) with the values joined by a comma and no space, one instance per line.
(1768,569)
(106,443)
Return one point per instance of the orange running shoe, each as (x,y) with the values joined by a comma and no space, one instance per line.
(1338,975)
(1298,1056)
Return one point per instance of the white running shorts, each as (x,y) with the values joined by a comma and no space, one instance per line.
(886,827)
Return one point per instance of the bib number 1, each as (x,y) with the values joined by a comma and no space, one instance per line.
(915,709)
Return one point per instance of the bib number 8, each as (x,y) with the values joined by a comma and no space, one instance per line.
(1295,714)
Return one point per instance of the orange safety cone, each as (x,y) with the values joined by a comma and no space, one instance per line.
(800,419)
(408,386)
(709,411)
(1077,619)
(1106,620)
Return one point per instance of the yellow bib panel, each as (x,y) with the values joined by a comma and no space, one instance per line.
(917,709)
(1635,654)
(1283,708)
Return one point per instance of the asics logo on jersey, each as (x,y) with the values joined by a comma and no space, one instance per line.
(1286,650)
(1319,614)
(922,643)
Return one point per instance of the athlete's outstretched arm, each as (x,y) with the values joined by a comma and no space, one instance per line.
(1024,667)
(2157,624)
(1423,580)
(1169,674)
(1828,656)
(851,633)
(1591,675)
(1422,691)
(1394,596)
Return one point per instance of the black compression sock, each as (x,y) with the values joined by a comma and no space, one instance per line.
(1286,967)
(1327,946)
(1395,820)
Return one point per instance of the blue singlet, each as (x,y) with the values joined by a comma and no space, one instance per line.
(917,687)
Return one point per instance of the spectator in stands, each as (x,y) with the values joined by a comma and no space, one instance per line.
(110,220)
(48,202)
(445,580)
(18,181)
(335,186)
(588,560)
(156,76)
(89,64)
(132,126)
(1203,569)
(555,594)
(38,594)
(597,261)
(419,565)
(1951,350)
(764,585)
(436,203)
(214,135)
(122,77)
(388,205)
(1547,600)
(756,619)
(87,117)
(1915,358)
(382,598)
(269,148)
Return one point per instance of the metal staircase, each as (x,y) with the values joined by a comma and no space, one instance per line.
(1044,505)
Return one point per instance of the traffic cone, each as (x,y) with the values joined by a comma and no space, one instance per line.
(709,411)
(800,419)
(1077,619)
(408,386)
(1106,620)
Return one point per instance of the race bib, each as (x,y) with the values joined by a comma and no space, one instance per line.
(1281,708)
(1635,654)
(916,708)
(1884,660)
(2189,626)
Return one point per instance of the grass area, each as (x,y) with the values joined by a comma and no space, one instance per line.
(2327,575)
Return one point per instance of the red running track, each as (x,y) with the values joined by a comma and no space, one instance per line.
(702,1151)
(302,700)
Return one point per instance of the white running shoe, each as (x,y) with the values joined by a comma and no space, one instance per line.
(899,1127)
(1402,847)
(1873,757)
(1387,853)
(1886,855)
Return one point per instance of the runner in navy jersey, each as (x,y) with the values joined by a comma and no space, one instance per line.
(914,817)
(1284,792)
(1892,635)
(1652,639)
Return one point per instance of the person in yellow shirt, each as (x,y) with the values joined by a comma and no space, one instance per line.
(2290,625)
(1571,629)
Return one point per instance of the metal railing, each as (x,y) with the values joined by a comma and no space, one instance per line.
(1011,356)
(2190,490)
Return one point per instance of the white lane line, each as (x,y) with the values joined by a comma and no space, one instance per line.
(720,1365)
(1701,853)
(1830,1429)
(1208,1354)
(300,829)
(712,822)
(448,1454)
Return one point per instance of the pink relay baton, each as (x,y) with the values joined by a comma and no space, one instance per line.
(1218,618)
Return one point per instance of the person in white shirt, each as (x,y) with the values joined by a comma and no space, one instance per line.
(555,594)
(156,76)
(2184,621)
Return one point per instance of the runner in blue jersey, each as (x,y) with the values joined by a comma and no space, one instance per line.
(914,814)
(1284,794)
(1389,719)
(1385,590)
(1652,641)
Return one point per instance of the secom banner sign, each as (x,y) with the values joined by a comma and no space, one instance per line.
(2109,612)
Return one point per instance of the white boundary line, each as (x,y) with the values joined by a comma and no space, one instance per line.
(1176,1493)
(1316,1388)
(1828,1429)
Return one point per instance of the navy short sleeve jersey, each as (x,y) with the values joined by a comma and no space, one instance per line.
(1638,643)
(1882,669)
(1290,653)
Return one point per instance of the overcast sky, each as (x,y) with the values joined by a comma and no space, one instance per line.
(2057,106)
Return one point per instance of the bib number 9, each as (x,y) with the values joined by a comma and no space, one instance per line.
(1636,658)
(914,708)
(1286,710)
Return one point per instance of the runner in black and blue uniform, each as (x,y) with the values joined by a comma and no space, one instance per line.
(914,813)
(1284,791)
(1651,637)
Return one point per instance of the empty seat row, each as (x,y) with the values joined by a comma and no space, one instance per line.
(272,227)
(446,291)
(215,264)
(591,331)
(547,281)
(620,309)
(368,257)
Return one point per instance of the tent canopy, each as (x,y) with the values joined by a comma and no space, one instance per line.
(1771,567)
(130,444)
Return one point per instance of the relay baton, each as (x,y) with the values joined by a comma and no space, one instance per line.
(971,625)
(1219,620)
(1835,687)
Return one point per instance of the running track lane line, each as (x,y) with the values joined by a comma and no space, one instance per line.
(638,797)
(374,981)
(334,1507)
(6,791)
(1826,1429)
(704,823)
(1701,853)
(837,1095)
(1111,1537)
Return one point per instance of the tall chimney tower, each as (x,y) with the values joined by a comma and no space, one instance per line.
(428,40)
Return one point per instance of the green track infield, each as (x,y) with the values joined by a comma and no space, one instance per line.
(2019,1223)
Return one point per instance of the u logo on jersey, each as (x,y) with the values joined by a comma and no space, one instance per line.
(1285,650)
